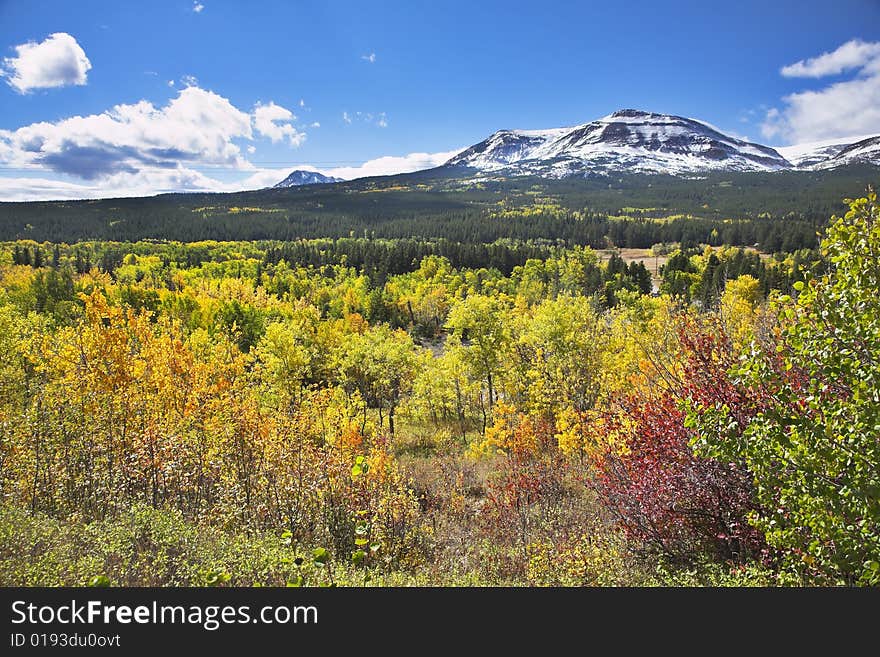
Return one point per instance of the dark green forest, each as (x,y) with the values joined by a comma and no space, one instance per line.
(774,211)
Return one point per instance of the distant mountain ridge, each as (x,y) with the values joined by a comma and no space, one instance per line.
(632,141)
(866,151)
(823,154)
(299,177)
(635,141)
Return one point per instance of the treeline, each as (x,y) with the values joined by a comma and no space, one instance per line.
(379,258)
(691,273)
(472,226)
(775,211)
(384,281)
(80,258)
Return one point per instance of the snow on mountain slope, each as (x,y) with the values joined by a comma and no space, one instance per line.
(810,154)
(625,141)
(865,151)
(300,177)
(634,141)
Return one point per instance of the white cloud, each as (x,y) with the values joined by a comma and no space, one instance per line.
(315,124)
(346,118)
(197,127)
(170,83)
(198,141)
(260,179)
(273,121)
(369,58)
(390,164)
(851,55)
(189,81)
(142,183)
(381,166)
(58,61)
(302,102)
(839,109)
(181,179)
(147,147)
(382,121)
(198,6)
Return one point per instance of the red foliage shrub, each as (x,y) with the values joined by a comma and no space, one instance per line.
(666,498)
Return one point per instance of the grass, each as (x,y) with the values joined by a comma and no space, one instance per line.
(569,542)
(150,547)
(652,263)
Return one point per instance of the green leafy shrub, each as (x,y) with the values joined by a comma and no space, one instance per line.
(812,441)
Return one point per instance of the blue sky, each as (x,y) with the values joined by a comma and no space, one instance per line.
(177,95)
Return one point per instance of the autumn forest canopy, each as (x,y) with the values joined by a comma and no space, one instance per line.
(527,383)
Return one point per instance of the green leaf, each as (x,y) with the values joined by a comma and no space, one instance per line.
(99,581)
(296,582)
(361,541)
(320,555)
(217,577)
(358,556)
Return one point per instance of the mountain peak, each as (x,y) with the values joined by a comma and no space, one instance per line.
(630,114)
(629,140)
(301,177)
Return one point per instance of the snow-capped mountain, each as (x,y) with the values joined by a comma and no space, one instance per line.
(634,141)
(866,151)
(832,152)
(300,177)
(804,156)
(626,141)
(863,151)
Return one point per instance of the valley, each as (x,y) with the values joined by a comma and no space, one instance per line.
(303,304)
